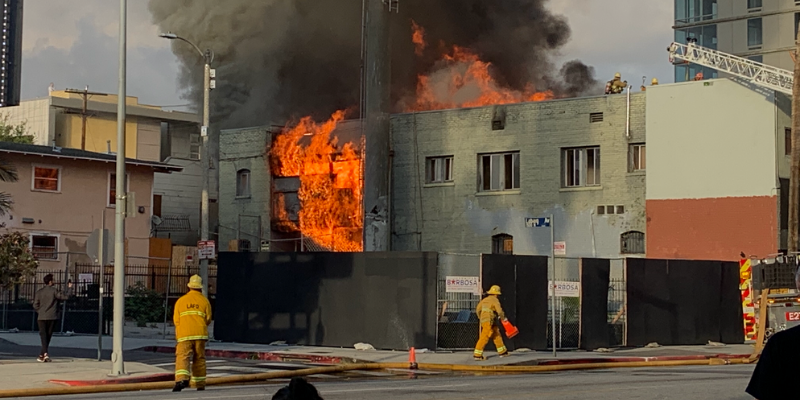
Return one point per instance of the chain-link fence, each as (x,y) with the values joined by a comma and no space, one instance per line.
(617,310)
(458,326)
(563,309)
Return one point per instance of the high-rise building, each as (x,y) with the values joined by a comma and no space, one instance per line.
(761,30)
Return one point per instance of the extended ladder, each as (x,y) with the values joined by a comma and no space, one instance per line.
(768,76)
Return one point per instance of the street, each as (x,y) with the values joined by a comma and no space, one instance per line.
(685,383)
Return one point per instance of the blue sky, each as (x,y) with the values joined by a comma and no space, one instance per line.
(74,43)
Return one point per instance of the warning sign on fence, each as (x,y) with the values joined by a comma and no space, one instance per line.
(463,284)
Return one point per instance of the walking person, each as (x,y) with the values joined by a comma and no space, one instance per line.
(489,310)
(45,303)
(192,316)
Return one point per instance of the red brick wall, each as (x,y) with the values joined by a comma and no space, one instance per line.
(712,229)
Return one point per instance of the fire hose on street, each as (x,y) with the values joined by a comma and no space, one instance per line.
(262,377)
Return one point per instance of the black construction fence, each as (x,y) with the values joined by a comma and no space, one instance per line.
(80,313)
(395,301)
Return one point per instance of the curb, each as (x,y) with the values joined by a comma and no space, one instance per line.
(163,377)
(642,359)
(263,356)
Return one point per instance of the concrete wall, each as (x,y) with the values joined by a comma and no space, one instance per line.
(37,116)
(244,149)
(77,209)
(456,217)
(180,195)
(712,169)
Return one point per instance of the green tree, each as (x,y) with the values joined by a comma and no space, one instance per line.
(7,174)
(17,263)
(14,133)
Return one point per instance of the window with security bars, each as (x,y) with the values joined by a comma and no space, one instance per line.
(632,242)
(581,167)
(194,147)
(44,247)
(502,244)
(499,172)
(439,169)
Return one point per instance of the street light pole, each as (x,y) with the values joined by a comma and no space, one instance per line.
(117,365)
(208,58)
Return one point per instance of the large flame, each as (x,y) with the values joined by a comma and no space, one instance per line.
(461,79)
(330,183)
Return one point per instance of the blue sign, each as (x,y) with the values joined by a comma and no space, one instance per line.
(537,222)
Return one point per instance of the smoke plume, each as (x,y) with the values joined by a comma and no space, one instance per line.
(281,59)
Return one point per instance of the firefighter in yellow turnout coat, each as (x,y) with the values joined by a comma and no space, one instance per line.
(192,316)
(489,310)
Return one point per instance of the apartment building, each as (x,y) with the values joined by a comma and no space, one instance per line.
(761,30)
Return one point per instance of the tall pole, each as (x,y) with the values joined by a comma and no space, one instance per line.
(102,255)
(118,367)
(205,161)
(794,176)
(553,293)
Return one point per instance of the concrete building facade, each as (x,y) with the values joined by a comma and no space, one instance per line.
(762,30)
(695,170)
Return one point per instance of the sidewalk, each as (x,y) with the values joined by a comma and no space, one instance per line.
(30,374)
(329,355)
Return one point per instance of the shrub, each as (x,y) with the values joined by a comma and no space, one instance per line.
(143,305)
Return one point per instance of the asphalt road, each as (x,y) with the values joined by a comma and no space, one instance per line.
(683,383)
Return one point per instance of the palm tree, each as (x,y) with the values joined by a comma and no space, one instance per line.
(7,174)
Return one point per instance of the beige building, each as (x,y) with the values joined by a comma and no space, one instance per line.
(762,30)
(77,120)
(62,195)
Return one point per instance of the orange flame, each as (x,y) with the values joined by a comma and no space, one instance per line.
(462,79)
(330,183)
(418,38)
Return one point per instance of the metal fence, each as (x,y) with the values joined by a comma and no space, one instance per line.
(80,314)
(458,326)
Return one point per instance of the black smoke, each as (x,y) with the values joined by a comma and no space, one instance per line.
(280,59)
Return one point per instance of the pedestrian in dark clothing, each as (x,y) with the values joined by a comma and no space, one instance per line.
(45,303)
(298,389)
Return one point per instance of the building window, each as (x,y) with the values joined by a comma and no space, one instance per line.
(502,244)
(47,179)
(632,242)
(796,24)
(44,247)
(695,10)
(753,4)
(244,246)
(439,169)
(194,147)
(243,183)
(757,58)
(499,171)
(787,141)
(581,167)
(754,32)
(112,189)
(638,159)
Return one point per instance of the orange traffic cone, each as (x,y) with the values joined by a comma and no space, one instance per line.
(412,358)
(511,330)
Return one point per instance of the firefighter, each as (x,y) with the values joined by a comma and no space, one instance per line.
(192,316)
(489,310)
(616,85)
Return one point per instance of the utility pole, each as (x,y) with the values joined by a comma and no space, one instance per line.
(117,364)
(794,177)
(85,94)
(206,164)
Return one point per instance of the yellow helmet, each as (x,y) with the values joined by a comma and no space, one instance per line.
(494,290)
(195,282)
(617,75)
(655,81)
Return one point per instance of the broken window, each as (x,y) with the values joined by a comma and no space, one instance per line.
(499,172)
(581,167)
(502,244)
(439,169)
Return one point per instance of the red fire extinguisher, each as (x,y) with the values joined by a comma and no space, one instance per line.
(511,330)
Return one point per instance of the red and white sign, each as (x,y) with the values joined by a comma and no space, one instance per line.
(206,249)
(793,316)
(560,248)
